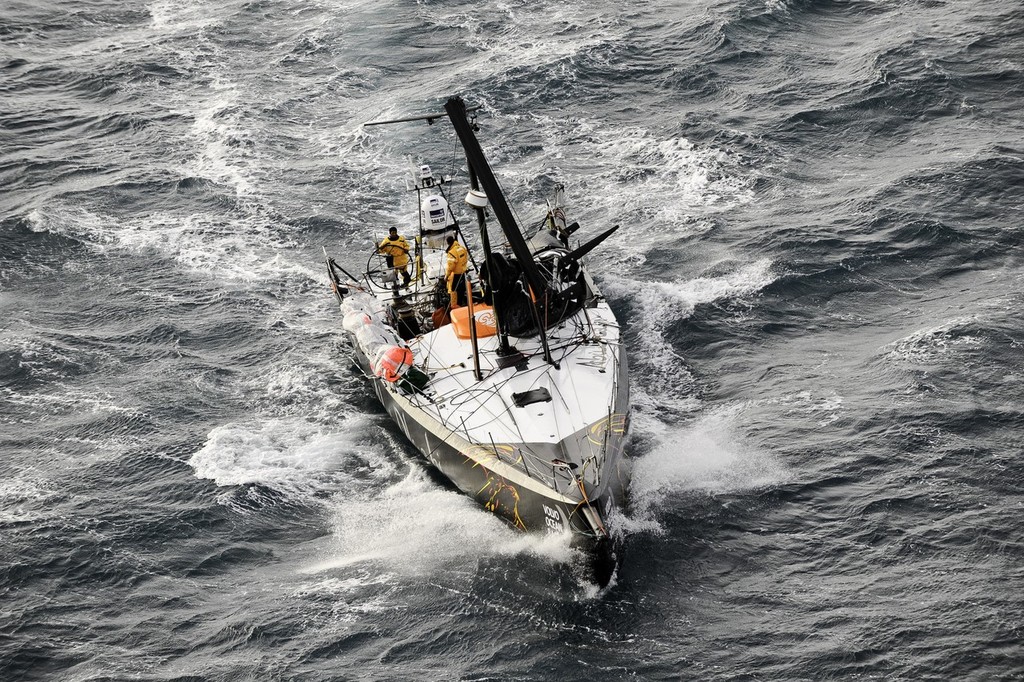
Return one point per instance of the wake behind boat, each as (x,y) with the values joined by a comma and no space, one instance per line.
(502,365)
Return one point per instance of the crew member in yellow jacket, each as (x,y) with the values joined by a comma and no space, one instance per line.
(455,271)
(396,253)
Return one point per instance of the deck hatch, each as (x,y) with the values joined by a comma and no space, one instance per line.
(537,395)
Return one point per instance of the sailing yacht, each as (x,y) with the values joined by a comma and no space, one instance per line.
(508,377)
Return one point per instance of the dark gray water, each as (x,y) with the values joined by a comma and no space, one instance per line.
(819,269)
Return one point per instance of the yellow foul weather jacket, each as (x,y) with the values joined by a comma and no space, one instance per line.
(397,248)
(458,260)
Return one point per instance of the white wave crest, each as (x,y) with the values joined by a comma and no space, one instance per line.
(291,455)
(521,34)
(661,304)
(709,456)
(415,527)
(925,345)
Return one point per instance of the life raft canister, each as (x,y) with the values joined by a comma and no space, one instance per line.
(393,362)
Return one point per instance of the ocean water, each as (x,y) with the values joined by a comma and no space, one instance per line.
(819,270)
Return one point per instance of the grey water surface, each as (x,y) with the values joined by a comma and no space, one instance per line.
(819,273)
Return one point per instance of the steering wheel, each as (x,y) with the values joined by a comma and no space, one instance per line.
(378,271)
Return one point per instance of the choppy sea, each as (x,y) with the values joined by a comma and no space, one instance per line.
(819,271)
